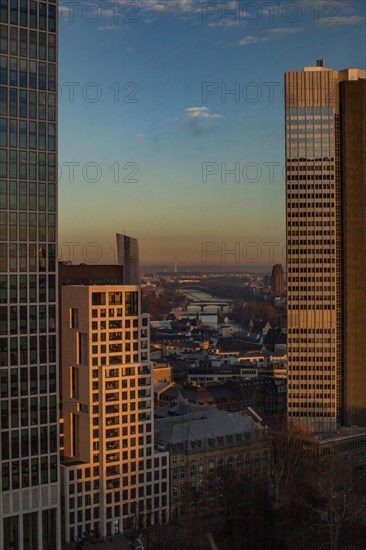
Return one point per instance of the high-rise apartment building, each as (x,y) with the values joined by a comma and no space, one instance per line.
(277,279)
(326,233)
(30,496)
(111,475)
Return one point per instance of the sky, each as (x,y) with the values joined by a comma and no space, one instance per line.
(171,123)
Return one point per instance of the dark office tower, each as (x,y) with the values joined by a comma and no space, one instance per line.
(29,500)
(325,177)
(277,279)
(353,148)
(128,256)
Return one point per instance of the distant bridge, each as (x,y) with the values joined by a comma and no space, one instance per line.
(205,303)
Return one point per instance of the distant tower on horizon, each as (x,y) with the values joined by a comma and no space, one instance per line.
(326,242)
(176,263)
(277,279)
(128,257)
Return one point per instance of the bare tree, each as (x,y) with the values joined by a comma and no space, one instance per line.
(333,495)
(287,456)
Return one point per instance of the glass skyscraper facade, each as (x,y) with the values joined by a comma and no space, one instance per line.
(30,495)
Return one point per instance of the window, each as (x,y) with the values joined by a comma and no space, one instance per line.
(131,303)
(115,298)
(74,393)
(98,299)
(74,318)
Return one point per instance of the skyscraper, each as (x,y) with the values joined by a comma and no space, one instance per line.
(112,478)
(326,196)
(30,495)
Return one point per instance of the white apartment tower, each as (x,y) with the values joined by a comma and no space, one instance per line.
(111,475)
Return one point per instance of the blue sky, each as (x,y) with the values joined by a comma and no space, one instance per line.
(144,114)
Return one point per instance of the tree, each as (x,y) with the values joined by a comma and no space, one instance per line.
(333,495)
(287,456)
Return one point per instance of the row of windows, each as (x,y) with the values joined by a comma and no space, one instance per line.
(322,330)
(32,165)
(310,214)
(27,74)
(115,298)
(118,360)
(310,168)
(312,414)
(25,381)
(295,358)
(32,227)
(27,415)
(294,151)
(310,186)
(309,111)
(36,15)
(27,196)
(15,41)
(307,377)
(309,195)
(323,138)
(27,104)
(293,123)
(29,442)
(311,297)
(24,320)
(311,405)
(311,241)
(31,288)
(309,307)
(24,134)
(115,325)
(310,340)
(310,205)
(295,250)
(311,232)
(26,351)
(27,258)
(117,348)
(20,475)
(310,177)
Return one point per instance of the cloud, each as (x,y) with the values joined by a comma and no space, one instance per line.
(201,113)
(343,20)
(252,40)
(166,6)
(272,34)
(283,31)
(109,28)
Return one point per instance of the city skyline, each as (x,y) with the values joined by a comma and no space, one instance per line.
(180,133)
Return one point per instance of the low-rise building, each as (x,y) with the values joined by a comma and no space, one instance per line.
(205,375)
(202,445)
(266,395)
